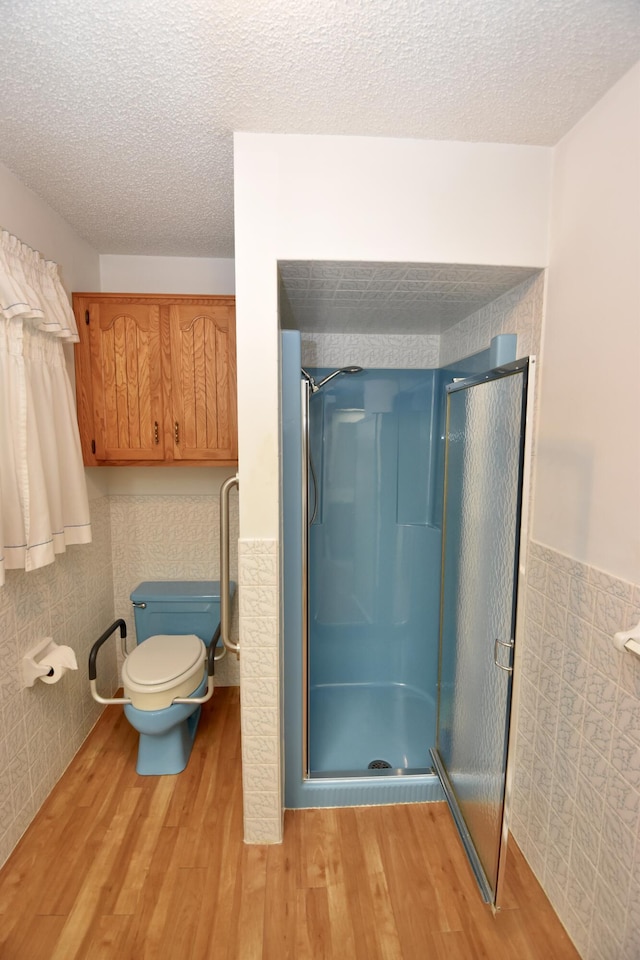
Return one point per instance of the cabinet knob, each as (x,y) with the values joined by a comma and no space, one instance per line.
(176,432)
(156,438)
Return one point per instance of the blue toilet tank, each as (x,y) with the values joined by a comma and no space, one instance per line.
(177,607)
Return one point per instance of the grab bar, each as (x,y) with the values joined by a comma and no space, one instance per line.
(225,598)
(93,655)
(502,643)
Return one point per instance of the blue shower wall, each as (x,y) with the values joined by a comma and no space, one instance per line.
(298,791)
(374,550)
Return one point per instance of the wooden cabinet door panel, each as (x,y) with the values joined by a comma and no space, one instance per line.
(156,379)
(126,381)
(203,381)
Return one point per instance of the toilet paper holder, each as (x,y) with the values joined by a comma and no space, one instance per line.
(40,662)
(628,640)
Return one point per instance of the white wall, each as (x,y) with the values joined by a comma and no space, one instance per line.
(577,785)
(353,199)
(160,481)
(37,224)
(358,198)
(128,274)
(362,198)
(588,476)
(44,726)
(24,214)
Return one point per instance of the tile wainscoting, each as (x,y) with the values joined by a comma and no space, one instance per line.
(519,311)
(70,600)
(165,537)
(261,693)
(576,810)
(73,600)
(374,351)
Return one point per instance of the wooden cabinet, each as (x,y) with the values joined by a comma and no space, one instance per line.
(156,379)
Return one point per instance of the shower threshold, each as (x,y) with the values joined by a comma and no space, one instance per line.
(365,774)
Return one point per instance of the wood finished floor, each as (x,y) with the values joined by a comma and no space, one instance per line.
(121,866)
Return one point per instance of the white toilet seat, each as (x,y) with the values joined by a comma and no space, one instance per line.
(163,667)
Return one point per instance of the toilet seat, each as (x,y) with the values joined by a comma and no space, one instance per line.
(161,668)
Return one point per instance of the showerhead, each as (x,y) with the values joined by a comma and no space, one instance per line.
(316,386)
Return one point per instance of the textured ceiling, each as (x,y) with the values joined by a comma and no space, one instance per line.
(408,298)
(120,112)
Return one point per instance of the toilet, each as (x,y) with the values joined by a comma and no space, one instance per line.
(175,624)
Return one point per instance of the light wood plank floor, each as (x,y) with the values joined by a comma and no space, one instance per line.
(121,866)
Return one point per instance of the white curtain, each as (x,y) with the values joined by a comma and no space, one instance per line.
(43,494)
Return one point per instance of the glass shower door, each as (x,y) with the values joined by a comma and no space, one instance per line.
(484,457)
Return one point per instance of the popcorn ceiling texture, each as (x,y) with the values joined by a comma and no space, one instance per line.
(120,114)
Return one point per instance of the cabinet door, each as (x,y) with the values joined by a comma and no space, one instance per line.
(126,380)
(203,380)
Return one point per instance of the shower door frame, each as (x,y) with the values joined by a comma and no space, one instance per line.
(305,394)
(525,367)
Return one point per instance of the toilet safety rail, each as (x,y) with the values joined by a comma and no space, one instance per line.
(93,656)
(225,597)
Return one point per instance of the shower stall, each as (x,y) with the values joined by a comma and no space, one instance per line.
(402,497)
(373,563)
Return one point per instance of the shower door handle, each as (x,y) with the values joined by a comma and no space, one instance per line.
(502,643)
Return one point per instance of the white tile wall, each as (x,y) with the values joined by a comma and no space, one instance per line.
(577,791)
(518,311)
(577,788)
(74,600)
(261,723)
(43,726)
(576,818)
(171,538)
(373,351)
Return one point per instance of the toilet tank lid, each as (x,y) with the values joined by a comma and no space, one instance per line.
(175,590)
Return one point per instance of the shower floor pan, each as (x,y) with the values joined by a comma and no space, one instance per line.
(356,726)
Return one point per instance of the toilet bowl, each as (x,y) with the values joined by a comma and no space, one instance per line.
(175,625)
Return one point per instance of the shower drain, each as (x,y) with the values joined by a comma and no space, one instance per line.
(379,765)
